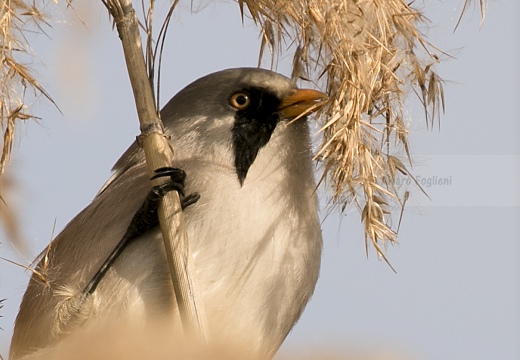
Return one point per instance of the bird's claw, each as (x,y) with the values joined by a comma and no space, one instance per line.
(190,200)
(177,177)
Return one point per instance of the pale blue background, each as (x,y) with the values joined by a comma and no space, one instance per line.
(456,294)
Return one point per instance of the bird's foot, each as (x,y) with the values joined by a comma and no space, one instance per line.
(146,217)
(177,177)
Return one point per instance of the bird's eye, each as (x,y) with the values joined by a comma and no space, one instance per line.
(240,100)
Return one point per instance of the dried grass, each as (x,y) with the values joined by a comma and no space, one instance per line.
(17,18)
(370,54)
(157,339)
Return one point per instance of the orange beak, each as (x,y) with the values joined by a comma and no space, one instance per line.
(301,102)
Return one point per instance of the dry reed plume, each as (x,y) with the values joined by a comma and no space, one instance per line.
(370,54)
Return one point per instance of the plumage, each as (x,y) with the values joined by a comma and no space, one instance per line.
(254,233)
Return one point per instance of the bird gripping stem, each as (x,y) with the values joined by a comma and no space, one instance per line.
(159,154)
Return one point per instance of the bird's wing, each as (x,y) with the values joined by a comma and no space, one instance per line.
(49,306)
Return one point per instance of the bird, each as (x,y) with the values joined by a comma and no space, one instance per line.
(254,228)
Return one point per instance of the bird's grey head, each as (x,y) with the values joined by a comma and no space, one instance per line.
(234,112)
